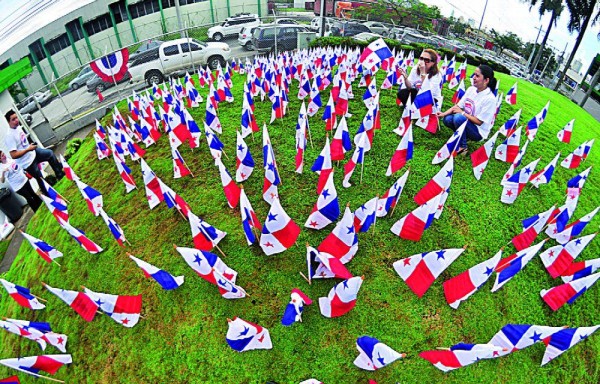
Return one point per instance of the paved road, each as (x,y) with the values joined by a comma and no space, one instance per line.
(591,105)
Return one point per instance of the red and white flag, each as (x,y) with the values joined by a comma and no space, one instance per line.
(79,301)
(481,156)
(230,188)
(342,298)
(279,231)
(125,310)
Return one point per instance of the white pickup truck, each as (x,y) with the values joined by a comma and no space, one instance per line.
(176,56)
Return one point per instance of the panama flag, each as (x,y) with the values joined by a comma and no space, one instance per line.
(460,92)
(250,221)
(92,197)
(449,149)
(545,175)
(125,173)
(342,242)
(390,197)
(514,337)
(511,170)
(69,173)
(420,271)
(536,121)
(341,104)
(509,149)
(460,355)
(370,93)
(341,298)
(559,258)
(532,227)
(204,235)
(100,131)
(412,226)
(46,251)
(564,135)
(279,231)
(34,364)
(244,336)
(214,144)
(438,184)
(15,380)
(176,125)
(322,265)
(568,292)
(327,208)
(461,74)
(193,128)
(230,188)
(301,138)
(165,279)
(511,95)
(406,119)
(508,267)
(278,108)
(211,118)
(315,100)
(358,157)
(576,228)
(27,330)
(102,149)
(579,269)
(461,287)
(293,310)
(243,161)
(22,295)
(403,153)
(115,229)
(481,156)
(575,184)
(365,215)
(81,302)
(329,115)
(193,97)
(180,168)
(248,123)
(575,158)
(304,86)
(513,187)
(374,54)
(205,264)
(154,193)
(341,141)
(563,340)
(125,310)
(511,124)
(323,165)
(272,179)
(373,354)
(81,238)
(423,104)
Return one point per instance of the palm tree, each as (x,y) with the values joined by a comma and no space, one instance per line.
(581,14)
(554,6)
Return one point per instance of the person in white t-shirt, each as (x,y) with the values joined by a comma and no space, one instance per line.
(426,71)
(18,181)
(476,107)
(29,156)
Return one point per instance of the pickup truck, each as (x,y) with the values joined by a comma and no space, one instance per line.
(175,57)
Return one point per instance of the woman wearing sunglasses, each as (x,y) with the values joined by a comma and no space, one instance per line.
(477,108)
(426,71)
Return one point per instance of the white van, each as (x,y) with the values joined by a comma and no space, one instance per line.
(233,25)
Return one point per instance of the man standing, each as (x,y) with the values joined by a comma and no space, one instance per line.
(29,156)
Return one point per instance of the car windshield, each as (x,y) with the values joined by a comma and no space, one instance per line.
(200,43)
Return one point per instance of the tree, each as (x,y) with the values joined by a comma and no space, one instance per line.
(507,41)
(554,6)
(581,12)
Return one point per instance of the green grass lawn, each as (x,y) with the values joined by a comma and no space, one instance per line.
(182,337)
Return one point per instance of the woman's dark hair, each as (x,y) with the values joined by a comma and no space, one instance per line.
(488,73)
(434,70)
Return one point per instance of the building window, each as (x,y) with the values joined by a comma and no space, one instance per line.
(57,44)
(143,8)
(37,50)
(168,3)
(186,2)
(99,24)
(75,28)
(119,11)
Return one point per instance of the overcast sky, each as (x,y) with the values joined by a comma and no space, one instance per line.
(515,16)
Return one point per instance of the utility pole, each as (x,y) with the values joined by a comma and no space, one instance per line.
(481,22)
(533,49)
(322,21)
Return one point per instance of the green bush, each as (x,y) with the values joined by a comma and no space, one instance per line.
(72,147)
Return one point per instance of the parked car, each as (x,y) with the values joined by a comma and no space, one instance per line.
(413,37)
(315,24)
(176,57)
(345,28)
(84,75)
(28,118)
(377,27)
(29,106)
(245,38)
(97,84)
(395,33)
(366,36)
(146,46)
(263,37)
(285,20)
(233,25)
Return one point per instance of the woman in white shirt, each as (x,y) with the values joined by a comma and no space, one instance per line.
(18,181)
(477,108)
(425,72)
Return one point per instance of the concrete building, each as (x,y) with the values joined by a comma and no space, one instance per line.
(59,36)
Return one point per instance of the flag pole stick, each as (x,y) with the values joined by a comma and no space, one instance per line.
(39,298)
(56,262)
(305,278)
(219,249)
(127,241)
(37,375)
(185,163)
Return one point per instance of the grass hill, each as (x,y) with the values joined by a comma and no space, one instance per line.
(182,337)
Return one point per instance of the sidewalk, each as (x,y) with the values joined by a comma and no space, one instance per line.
(15,238)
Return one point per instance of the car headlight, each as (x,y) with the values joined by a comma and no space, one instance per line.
(226,49)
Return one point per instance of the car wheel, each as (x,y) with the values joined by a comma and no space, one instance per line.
(218,36)
(154,77)
(100,87)
(215,61)
(248,46)
(74,87)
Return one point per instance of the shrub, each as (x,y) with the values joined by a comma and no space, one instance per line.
(72,147)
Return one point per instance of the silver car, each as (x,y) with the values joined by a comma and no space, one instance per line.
(28,105)
(84,75)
